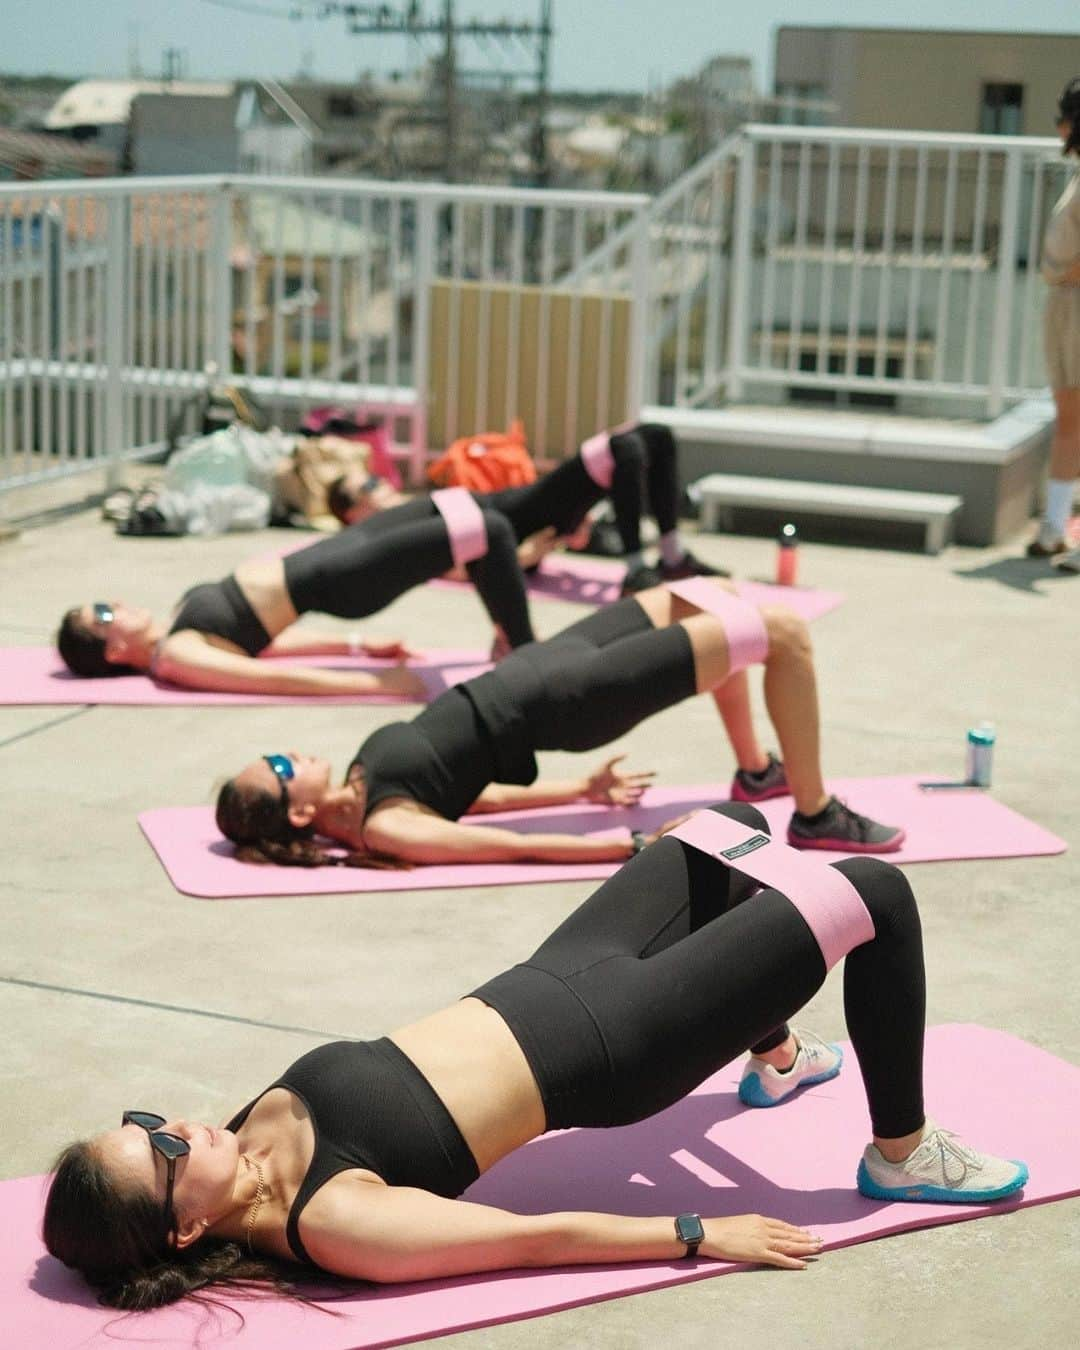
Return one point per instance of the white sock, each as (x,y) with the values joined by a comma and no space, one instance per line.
(1059,498)
(634,560)
(672,549)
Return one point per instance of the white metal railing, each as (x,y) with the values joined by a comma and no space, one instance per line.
(791,261)
(117,296)
(875,263)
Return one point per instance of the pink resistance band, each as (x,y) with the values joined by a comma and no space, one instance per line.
(826,899)
(464,524)
(597,456)
(748,640)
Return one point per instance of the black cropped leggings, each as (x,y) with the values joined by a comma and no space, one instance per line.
(646,470)
(662,977)
(366,566)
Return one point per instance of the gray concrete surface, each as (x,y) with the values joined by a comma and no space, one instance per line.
(117,991)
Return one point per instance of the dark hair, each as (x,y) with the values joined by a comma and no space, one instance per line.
(1069,111)
(258,822)
(83,652)
(113,1235)
(340,498)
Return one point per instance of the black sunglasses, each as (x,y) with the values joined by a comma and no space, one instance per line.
(103,612)
(169,1146)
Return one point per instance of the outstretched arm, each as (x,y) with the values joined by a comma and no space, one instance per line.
(391,1234)
(304,641)
(187,658)
(607,785)
(416,835)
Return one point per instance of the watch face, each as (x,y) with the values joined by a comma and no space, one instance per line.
(689,1228)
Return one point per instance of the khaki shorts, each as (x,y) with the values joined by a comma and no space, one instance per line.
(1061,337)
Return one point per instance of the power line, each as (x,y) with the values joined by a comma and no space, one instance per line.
(298,11)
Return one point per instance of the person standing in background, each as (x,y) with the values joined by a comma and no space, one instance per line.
(1061,328)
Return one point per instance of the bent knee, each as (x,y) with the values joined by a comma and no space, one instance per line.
(744,813)
(885,890)
(500,533)
(787,632)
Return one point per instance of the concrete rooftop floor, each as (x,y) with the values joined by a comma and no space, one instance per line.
(95,939)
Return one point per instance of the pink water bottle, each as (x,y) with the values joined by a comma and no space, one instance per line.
(787,556)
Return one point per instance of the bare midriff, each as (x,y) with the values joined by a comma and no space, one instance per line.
(477,1069)
(262,581)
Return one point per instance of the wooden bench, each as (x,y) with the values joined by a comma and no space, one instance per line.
(718,493)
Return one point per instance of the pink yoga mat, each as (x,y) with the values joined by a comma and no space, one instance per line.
(706,1154)
(596,581)
(37,675)
(943,825)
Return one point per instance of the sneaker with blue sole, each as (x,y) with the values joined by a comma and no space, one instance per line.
(816,1061)
(941,1170)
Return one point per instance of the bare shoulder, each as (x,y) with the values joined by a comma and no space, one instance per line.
(342,1219)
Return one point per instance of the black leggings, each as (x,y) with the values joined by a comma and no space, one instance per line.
(366,566)
(662,977)
(645,469)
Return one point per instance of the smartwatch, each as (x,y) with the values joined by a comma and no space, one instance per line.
(690,1229)
(638,841)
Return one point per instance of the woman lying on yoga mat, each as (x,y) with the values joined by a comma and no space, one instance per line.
(221,627)
(352,1160)
(473,749)
(632,467)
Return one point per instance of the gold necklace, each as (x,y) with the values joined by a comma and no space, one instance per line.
(254,1210)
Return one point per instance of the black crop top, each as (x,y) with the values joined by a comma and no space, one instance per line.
(371,1107)
(221,609)
(442,759)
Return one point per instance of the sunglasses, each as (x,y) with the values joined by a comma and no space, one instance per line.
(103,612)
(168,1146)
(283,769)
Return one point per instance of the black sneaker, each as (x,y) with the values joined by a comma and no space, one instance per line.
(759,787)
(689,566)
(837,827)
(642,578)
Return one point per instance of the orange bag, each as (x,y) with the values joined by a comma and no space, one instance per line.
(486,463)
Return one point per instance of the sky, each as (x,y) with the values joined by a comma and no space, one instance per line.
(598,44)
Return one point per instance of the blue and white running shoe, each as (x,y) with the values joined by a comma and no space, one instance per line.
(940,1170)
(816,1062)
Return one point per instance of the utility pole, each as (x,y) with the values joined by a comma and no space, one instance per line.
(408,19)
(450,95)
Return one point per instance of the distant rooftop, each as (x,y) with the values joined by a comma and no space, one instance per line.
(108,102)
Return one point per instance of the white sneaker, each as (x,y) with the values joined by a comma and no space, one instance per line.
(1068,562)
(816,1062)
(940,1169)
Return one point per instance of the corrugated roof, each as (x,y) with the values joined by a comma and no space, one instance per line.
(97,103)
(19,149)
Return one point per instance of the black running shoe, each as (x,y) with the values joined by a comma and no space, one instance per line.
(640,579)
(759,787)
(689,566)
(837,827)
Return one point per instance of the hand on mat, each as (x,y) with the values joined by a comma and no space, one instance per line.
(769,1242)
(667,825)
(578,539)
(386,648)
(533,550)
(610,786)
(500,646)
(401,681)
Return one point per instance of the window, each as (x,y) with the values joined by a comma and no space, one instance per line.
(1002,110)
(801,105)
(342,105)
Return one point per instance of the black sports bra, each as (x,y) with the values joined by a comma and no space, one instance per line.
(221,609)
(371,1107)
